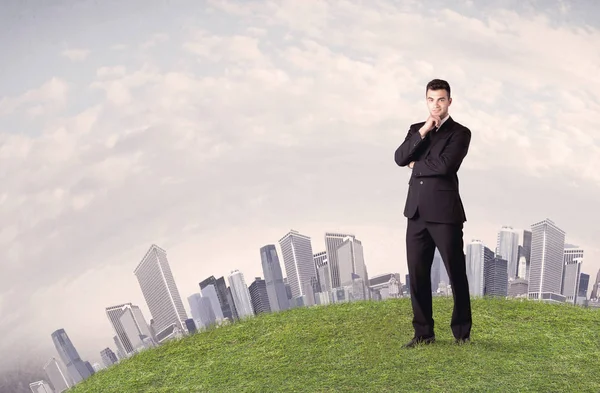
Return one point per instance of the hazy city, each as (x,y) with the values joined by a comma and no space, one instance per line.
(337,274)
(169,167)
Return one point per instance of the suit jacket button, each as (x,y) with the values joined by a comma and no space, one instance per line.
(421,181)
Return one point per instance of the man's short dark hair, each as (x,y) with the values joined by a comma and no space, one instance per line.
(438,84)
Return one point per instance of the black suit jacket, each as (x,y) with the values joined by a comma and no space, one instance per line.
(433,185)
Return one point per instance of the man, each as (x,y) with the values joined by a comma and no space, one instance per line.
(434,150)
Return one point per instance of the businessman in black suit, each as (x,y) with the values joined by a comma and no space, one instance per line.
(434,150)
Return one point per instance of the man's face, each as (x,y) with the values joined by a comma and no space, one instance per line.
(438,102)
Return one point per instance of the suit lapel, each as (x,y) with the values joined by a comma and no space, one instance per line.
(441,134)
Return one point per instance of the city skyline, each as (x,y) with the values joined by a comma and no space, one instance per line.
(569,251)
(214,141)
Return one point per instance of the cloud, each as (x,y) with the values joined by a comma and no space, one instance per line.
(156,39)
(287,117)
(52,95)
(76,54)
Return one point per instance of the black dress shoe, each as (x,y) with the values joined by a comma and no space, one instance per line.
(462,340)
(419,340)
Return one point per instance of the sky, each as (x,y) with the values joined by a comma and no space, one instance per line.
(213,128)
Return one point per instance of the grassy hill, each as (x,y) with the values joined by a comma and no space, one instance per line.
(518,346)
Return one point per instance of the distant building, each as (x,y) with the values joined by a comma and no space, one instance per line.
(58,375)
(518,288)
(202,311)
(477,256)
(108,357)
(297,253)
(76,367)
(547,260)
(191,325)
(274,284)
(241,294)
(40,387)
(496,277)
(160,290)
(131,327)
(260,297)
(220,289)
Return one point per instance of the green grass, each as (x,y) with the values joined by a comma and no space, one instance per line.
(518,346)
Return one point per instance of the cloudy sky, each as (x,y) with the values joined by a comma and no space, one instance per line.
(213,128)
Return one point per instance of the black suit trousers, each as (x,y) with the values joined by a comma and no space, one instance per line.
(422,237)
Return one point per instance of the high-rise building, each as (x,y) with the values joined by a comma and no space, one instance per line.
(438,271)
(232,305)
(40,387)
(518,288)
(573,259)
(496,277)
(507,247)
(323,274)
(275,287)
(547,261)
(58,375)
(332,242)
(525,251)
(477,256)
(259,296)
(522,270)
(130,316)
(570,278)
(210,292)
(584,280)
(160,290)
(221,289)
(595,295)
(351,261)
(241,294)
(121,354)
(191,325)
(202,311)
(66,350)
(108,357)
(298,259)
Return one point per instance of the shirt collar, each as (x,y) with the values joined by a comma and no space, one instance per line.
(442,122)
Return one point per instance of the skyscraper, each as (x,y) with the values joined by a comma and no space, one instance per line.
(525,251)
(570,278)
(210,292)
(241,294)
(160,291)
(275,287)
(508,249)
(496,277)
(66,350)
(573,258)
(58,375)
(596,287)
(323,275)
(202,311)
(547,261)
(438,271)
(477,256)
(584,280)
(108,357)
(137,328)
(298,259)
(227,307)
(332,242)
(259,296)
(351,260)
(40,387)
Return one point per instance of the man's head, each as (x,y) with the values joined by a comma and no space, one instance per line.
(438,97)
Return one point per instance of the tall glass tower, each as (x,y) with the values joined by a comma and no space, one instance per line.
(76,367)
